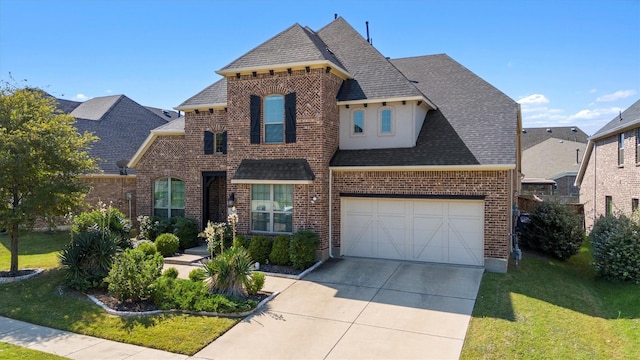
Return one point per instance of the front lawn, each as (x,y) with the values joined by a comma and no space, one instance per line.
(548,309)
(12,352)
(43,300)
(35,249)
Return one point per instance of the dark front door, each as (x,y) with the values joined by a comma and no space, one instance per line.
(214,197)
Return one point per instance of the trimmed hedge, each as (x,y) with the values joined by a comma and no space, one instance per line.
(280,250)
(302,248)
(186,229)
(616,248)
(167,244)
(260,248)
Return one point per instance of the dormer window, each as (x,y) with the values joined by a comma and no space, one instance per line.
(386,122)
(358,123)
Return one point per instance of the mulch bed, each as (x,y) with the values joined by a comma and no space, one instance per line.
(278,269)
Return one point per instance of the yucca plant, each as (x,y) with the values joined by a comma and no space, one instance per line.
(88,258)
(230,272)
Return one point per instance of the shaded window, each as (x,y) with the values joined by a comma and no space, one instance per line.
(621,149)
(608,204)
(386,121)
(635,204)
(272,208)
(215,143)
(638,146)
(358,122)
(274,119)
(168,198)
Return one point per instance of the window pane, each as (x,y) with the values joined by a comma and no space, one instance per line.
(386,121)
(161,213)
(260,198)
(177,194)
(218,143)
(282,222)
(259,221)
(273,133)
(177,212)
(283,198)
(161,194)
(274,109)
(358,122)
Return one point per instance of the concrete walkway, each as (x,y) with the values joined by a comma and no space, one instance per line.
(348,308)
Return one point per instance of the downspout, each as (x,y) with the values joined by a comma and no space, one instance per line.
(330,213)
(595,182)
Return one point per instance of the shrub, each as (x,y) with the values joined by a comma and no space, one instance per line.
(102,219)
(302,248)
(197,274)
(147,247)
(171,272)
(242,241)
(133,273)
(555,230)
(87,259)
(616,248)
(230,272)
(186,230)
(256,284)
(260,248)
(167,244)
(280,250)
(152,227)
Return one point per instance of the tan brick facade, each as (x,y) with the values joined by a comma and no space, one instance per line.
(604,177)
(494,186)
(112,190)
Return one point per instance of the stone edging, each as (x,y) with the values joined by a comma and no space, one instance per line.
(110,311)
(293,277)
(8,280)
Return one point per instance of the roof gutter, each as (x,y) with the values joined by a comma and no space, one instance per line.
(489,167)
(297,65)
(219,106)
(389,99)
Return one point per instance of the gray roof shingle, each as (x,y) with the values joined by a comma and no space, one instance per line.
(274,169)
(94,109)
(483,117)
(67,106)
(534,136)
(630,117)
(166,115)
(173,125)
(294,45)
(215,93)
(374,77)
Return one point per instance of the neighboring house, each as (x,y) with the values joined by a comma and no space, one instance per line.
(121,125)
(609,177)
(414,159)
(550,161)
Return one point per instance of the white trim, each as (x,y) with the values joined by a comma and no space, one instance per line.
(267,182)
(488,167)
(297,65)
(218,106)
(147,144)
(389,99)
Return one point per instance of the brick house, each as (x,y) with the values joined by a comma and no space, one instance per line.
(121,125)
(550,161)
(609,176)
(414,158)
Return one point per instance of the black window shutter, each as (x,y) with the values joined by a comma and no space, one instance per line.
(290,117)
(208,142)
(255,119)
(224,142)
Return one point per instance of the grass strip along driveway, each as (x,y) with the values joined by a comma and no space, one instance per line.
(43,300)
(548,309)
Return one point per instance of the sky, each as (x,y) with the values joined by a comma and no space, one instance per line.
(568,63)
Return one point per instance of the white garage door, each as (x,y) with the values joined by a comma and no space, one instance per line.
(443,231)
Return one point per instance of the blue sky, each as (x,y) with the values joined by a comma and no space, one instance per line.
(569,63)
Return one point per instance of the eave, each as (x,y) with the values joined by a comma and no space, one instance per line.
(335,69)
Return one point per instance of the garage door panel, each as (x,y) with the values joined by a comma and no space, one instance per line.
(445,231)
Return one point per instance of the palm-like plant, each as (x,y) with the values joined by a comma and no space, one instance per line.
(87,259)
(230,272)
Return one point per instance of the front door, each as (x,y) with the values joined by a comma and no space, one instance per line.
(214,197)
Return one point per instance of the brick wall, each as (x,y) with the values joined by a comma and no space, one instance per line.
(603,177)
(495,186)
(112,190)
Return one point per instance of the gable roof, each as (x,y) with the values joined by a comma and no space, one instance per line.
(166,115)
(121,125)
(533,136)
(67,106)
(552,158)
(484,118)
(374,77)
(214,96)
(628,119)
(295,45)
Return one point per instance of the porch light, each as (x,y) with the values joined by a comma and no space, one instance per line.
(314,198)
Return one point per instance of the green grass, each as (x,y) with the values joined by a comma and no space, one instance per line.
(548,309)
(35,249)
(12,352)
(43,300)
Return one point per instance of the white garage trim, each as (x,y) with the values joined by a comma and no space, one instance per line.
(416,229)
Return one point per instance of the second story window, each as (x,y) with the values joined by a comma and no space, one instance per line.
(274,119)
(638,146)
(215,143)
(358,122)
(386,122)
(621,149)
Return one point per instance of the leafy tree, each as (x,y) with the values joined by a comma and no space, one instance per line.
(42,156)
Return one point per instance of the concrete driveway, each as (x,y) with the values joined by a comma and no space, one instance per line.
(354,308)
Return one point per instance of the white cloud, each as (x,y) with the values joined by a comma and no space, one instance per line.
(108,91)
(81,97)
(603,114)
(534,99)
(593,91)
(620,94)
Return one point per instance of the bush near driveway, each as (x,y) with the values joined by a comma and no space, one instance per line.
(302,249)
(616,248)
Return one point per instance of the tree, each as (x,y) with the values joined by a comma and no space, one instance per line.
(42,156)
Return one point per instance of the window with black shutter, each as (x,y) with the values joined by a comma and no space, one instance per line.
(208,142)
(290,117)
(255,119)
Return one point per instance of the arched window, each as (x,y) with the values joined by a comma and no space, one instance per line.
(386,122)
(274,119)
(168,198)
